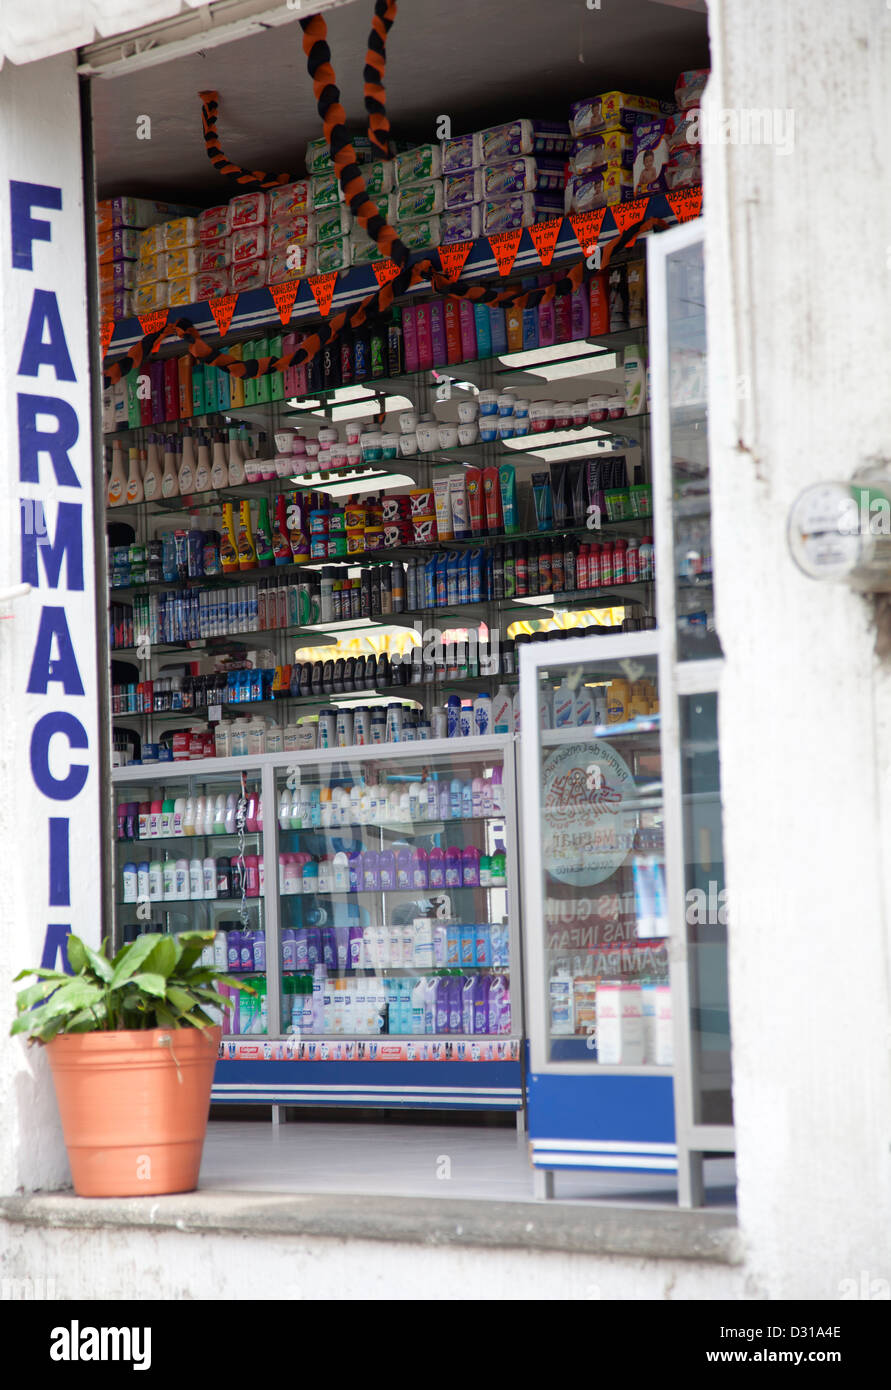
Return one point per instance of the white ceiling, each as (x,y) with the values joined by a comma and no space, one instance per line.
(477,61)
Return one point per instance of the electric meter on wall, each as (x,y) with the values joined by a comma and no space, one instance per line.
(842,532)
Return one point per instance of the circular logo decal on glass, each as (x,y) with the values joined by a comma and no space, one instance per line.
(587,833)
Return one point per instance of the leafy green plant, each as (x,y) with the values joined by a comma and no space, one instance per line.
(156,981)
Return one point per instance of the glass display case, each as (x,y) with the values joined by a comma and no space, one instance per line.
(369,894)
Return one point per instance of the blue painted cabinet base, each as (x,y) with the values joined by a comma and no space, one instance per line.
(394,1085)
(595,1122)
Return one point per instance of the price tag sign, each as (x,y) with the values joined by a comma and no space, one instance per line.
(214,713)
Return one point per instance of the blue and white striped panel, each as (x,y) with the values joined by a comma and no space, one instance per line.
(603,1153)
(318,1093)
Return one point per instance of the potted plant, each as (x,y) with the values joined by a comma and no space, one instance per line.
(132,1049)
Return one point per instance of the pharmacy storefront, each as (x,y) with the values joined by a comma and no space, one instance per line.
(358,603)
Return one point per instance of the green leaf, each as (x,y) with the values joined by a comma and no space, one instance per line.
(99,964)
(211,997)
(76,953)
(27,998)
(130,959)
(149,983)
(78,993)
(162,959)
(42,974)
(181,998)
(88,1020)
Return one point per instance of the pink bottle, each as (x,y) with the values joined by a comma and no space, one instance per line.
(547,327)
(436,868)
(580,312)
(467,321)
(425,340)
(453,867)
(419,874)
(470,867)
(410,337)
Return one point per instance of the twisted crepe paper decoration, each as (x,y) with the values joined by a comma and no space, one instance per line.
(364,209)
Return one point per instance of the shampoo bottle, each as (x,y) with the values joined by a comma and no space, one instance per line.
(247,551)
(228,546)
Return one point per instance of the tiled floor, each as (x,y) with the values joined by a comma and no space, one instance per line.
(415,1160)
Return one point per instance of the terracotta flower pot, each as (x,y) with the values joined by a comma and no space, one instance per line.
(134,1107)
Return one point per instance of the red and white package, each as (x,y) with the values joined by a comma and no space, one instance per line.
(213,223)
(213,255)
(247,244)
(291,262)
(290,200)
(213,283)
(249,210)
(300,230)
(250,275)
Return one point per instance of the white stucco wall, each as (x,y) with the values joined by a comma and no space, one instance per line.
(799,320)
(40,144)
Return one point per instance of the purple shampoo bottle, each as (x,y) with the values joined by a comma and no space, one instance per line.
(453,867)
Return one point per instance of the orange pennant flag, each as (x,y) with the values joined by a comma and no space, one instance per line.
(283,296)
(586,226)
(504,248)
(150,323)
(544,238)
(384,271)
(106,330)
(686,203)
(322,287)
(626,214)
(453,258)
(222,306)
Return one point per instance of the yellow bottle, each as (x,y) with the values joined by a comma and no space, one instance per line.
(228,547)
(247,551)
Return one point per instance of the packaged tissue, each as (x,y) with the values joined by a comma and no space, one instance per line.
(501,142)
(182,262)
(248,210)
(148,297)
(461,224)
(290,200)
(333,223)
(183,231)
(521,176)
(285,231)
(332,255)
(689,87)
(247,244)
(214,283)
(379,177)
(151,268)
(114,213)
(213,223)
(118,275)
(118,245)
(213,256)
(421,232)
(289,263)
(460,190)
(460,153)
(250,275)
(504,214)
(117,304)
(183,291)
(325,191)
(412,166)
(415,200)
(319,161)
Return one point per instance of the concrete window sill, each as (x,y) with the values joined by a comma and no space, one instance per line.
(570,1228)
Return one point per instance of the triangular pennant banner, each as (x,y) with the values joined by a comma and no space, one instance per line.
(504,248)
(586,226)
(106,330)
(453,258)
(283,296)
(544,238)
(223,307)
(151,323)
(626,214)
(322,287)
(384,271)
(686,203)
